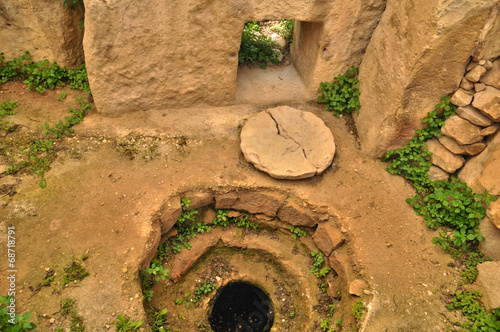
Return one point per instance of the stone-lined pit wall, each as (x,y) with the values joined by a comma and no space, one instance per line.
(181,53)
(416,55)
(45,28)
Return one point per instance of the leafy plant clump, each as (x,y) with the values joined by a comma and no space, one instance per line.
(7,108)
(479,320)
(341,95)
(64,128)
(125,324)
(74,272)
(317,269)
(297,232)
(358,309)
(258,48)
(42,75)
(13,322)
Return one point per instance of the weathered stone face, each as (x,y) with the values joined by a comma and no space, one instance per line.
(45,28)
(180,53)
(416,55)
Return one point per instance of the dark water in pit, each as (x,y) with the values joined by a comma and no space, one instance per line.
(241,306)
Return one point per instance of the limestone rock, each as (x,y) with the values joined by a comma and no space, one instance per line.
(474,116)
(259,202)
(443,158)
(451,144)
(473,149)
(492,77)
(287,143)
(199,199)
(45,28)
(475,74)
(186,52)
(490,130)
(488,278)
(490,246)
(466,84)
(296,215)
(488,101)
(461,130)
(398,91)
(437,174)
(461,98)
(225,201)
(356,287)
(171,211)
(478,87)
(328,238)
(481,172)
(486,64)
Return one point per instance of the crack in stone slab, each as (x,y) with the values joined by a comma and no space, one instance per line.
(286,136)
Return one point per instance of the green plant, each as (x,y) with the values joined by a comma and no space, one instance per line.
(48,281)
(339,322)
(62,95)
(325,324)
(148,294)
(341,95)
(292,314)
(125,324)
(13,322)
(157,271)
(43,75)
(256,47)
(158,320)
(64,128)
(7,108)
(297,232)
(358,309)
(76,324)
(317,269)
(74,272)
(73,4)
(479,319)
(332,310)
(66,306)
(202,290)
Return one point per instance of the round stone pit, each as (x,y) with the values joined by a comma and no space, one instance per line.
(287,143)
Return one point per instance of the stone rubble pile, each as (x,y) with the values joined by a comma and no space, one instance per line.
(478,116)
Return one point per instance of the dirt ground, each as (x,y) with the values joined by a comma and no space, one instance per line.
(109,179)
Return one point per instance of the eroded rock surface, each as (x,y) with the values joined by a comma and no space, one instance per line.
(287,143)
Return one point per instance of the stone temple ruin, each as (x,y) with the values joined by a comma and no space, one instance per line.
(169,57)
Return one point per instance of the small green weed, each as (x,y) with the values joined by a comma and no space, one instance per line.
(358,309)
(7,108)
(342,95)
(47,281)
(76,324)
(199,292)
(62,95)
(13,322)
(479,320)
(66,306)
(74,272)
(297,232)
(317,269)
(65,128)
(126,324)
(158,320)
(157,271)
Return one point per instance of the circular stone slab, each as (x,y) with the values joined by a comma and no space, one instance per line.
(287,143)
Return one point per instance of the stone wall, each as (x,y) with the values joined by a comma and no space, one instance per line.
(416,55)
(181,53)
(45,28)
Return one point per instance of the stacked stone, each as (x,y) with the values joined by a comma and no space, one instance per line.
(478,116)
